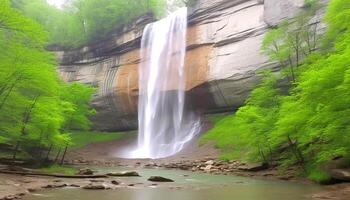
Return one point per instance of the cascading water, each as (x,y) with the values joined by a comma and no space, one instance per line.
(164,125)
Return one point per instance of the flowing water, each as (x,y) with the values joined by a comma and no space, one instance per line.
(164,125)
(193,186)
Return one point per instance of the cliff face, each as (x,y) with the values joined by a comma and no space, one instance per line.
(223,57)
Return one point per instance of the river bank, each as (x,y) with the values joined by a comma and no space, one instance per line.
(191,161)
(19,186)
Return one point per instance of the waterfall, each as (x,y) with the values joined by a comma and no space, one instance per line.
(164,125)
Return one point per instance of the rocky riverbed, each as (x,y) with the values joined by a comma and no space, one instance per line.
(193,160)
(19,186)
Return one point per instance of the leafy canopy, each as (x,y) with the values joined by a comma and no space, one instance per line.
(84,21)
(37,109)
(309,125)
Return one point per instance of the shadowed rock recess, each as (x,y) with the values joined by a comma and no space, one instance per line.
(223,57)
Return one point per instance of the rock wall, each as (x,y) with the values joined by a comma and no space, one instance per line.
(223,57)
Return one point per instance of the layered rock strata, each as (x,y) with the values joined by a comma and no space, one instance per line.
(223,58)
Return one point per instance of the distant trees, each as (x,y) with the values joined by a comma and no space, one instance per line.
(84,21)
(37,110)
(293,40)
(309,125)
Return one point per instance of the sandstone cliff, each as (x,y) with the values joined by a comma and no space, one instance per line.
(223,57)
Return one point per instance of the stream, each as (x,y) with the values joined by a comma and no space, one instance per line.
(187,186)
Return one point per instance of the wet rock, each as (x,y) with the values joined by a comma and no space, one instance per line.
(209,162)
(55,186)
(31,189)
(85,172)
(134,184)
(94,187)
(96,181)
(151,165)
(115,182)
(184,167)
(340,174)
(253,167)
(74,185)
(208,168)
(124,174)
(159,179)
(11,197)
(286,177)
(267,174)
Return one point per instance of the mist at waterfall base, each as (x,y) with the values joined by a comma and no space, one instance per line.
(165,126)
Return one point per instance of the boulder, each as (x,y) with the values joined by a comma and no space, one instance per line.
(51,186)
(115,182)
(11,197)
(159,179)
(74,185)
(208,168)
(124,174)
(253,167)
(94,187)
(340,174)
(209,162)
(85,171)
(32,189)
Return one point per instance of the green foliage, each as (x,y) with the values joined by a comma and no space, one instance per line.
(309,125)
(293,40)
(78,112)
(84,21)
(215,118)
(36,108)
(337,18)
(247,131)
(83,138)
(318,175)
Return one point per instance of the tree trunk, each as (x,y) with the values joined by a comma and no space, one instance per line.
(15,152)
(26,118)
(64,154)
(48,153)
(296,151)
(291,68)
(57,155)
(262,154)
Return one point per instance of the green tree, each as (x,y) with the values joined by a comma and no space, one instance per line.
(293,40)
(309,125)
(86,21)
(249,129)
(77,115)
(33,103)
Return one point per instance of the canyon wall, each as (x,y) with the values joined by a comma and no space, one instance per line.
(223,58)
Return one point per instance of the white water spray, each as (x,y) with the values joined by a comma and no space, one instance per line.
(164,125)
